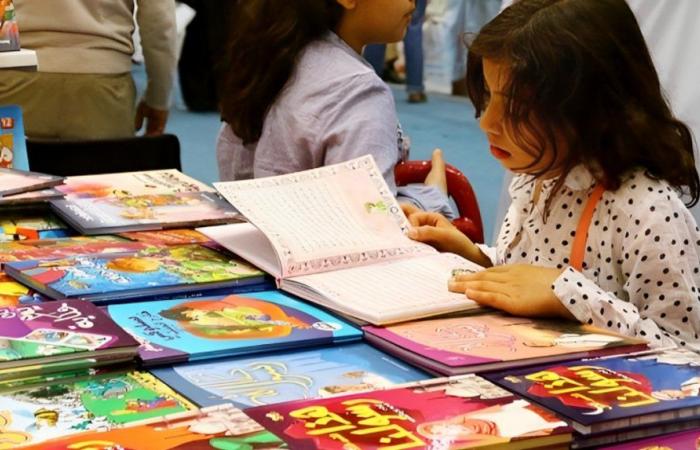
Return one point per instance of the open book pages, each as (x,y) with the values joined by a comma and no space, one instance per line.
(389,292)
(321,220)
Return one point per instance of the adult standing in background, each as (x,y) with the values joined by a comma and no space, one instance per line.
(83,88)
(413,49)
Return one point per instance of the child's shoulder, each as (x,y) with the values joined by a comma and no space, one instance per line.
(642,193)
(329,63)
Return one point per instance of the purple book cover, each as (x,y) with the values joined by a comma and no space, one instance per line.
(685,440)
(56,328)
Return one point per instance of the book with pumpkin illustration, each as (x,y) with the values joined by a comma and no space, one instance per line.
(149,272)
(181,330)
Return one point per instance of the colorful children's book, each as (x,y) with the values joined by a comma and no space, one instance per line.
(600,395)
(13,293)
(221,427)
(45,249)
(289,375)
(336,236)
(139,201)
(459,413)
(35,415)
(9,32)
(13,181)
(144,273)
(13,144)
(20,222)
(687,440)
(202,328)
(492,341)
(28,198)
(47,337)
(167,237)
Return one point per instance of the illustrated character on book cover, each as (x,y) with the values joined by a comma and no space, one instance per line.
(234,317)
(63,409)
(444,416)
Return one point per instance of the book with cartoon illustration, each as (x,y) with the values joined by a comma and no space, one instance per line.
(221,427)
(448,414)
(13,293)
(140,201)
(13,181)
(34,221)
(604,394)
(46,337)
(45,249)
(13,144)
(336,236)
(150,272)
(290,375)
(103,402)
(194,329)
(492,341)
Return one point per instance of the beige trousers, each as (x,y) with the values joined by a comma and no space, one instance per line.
(71,106)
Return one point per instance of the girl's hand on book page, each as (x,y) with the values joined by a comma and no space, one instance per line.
(437,231)
(521,290)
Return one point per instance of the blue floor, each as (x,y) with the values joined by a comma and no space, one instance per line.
(444,121)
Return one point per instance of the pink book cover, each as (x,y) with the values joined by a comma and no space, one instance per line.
(466,412)
(686,440)
(492,338)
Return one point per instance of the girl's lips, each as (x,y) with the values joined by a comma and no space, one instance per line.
(499,153)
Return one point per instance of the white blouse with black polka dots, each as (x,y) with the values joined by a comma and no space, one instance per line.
(641,270)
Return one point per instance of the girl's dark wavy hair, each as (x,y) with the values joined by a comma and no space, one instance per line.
(267,37)
(583,67)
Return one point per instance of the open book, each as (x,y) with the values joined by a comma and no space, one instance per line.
(336,236)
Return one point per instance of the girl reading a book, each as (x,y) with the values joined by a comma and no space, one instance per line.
(299,95)
(571,103)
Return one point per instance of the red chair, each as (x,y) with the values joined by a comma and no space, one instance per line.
(458,187)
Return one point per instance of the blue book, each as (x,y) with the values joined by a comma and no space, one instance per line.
(296,375)
(13,145)
(609,394)
(181,330)
(149,272)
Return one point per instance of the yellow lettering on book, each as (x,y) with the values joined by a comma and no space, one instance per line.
(552,380)
(322,417)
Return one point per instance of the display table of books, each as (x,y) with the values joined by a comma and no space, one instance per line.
(284,322)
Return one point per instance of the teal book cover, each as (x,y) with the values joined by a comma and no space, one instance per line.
(290,375)
(181,330)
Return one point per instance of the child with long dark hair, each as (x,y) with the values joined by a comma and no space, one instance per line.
(570,101)
(298,94)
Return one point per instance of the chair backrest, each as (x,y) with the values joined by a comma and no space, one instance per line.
(70,158)
(458,187)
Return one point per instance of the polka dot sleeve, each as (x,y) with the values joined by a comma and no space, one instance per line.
(655,264)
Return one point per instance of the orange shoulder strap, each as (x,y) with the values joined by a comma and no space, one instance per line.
(578,251)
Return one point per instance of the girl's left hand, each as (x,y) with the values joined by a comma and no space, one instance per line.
(521,290)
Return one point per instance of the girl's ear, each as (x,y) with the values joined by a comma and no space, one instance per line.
(348,4)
